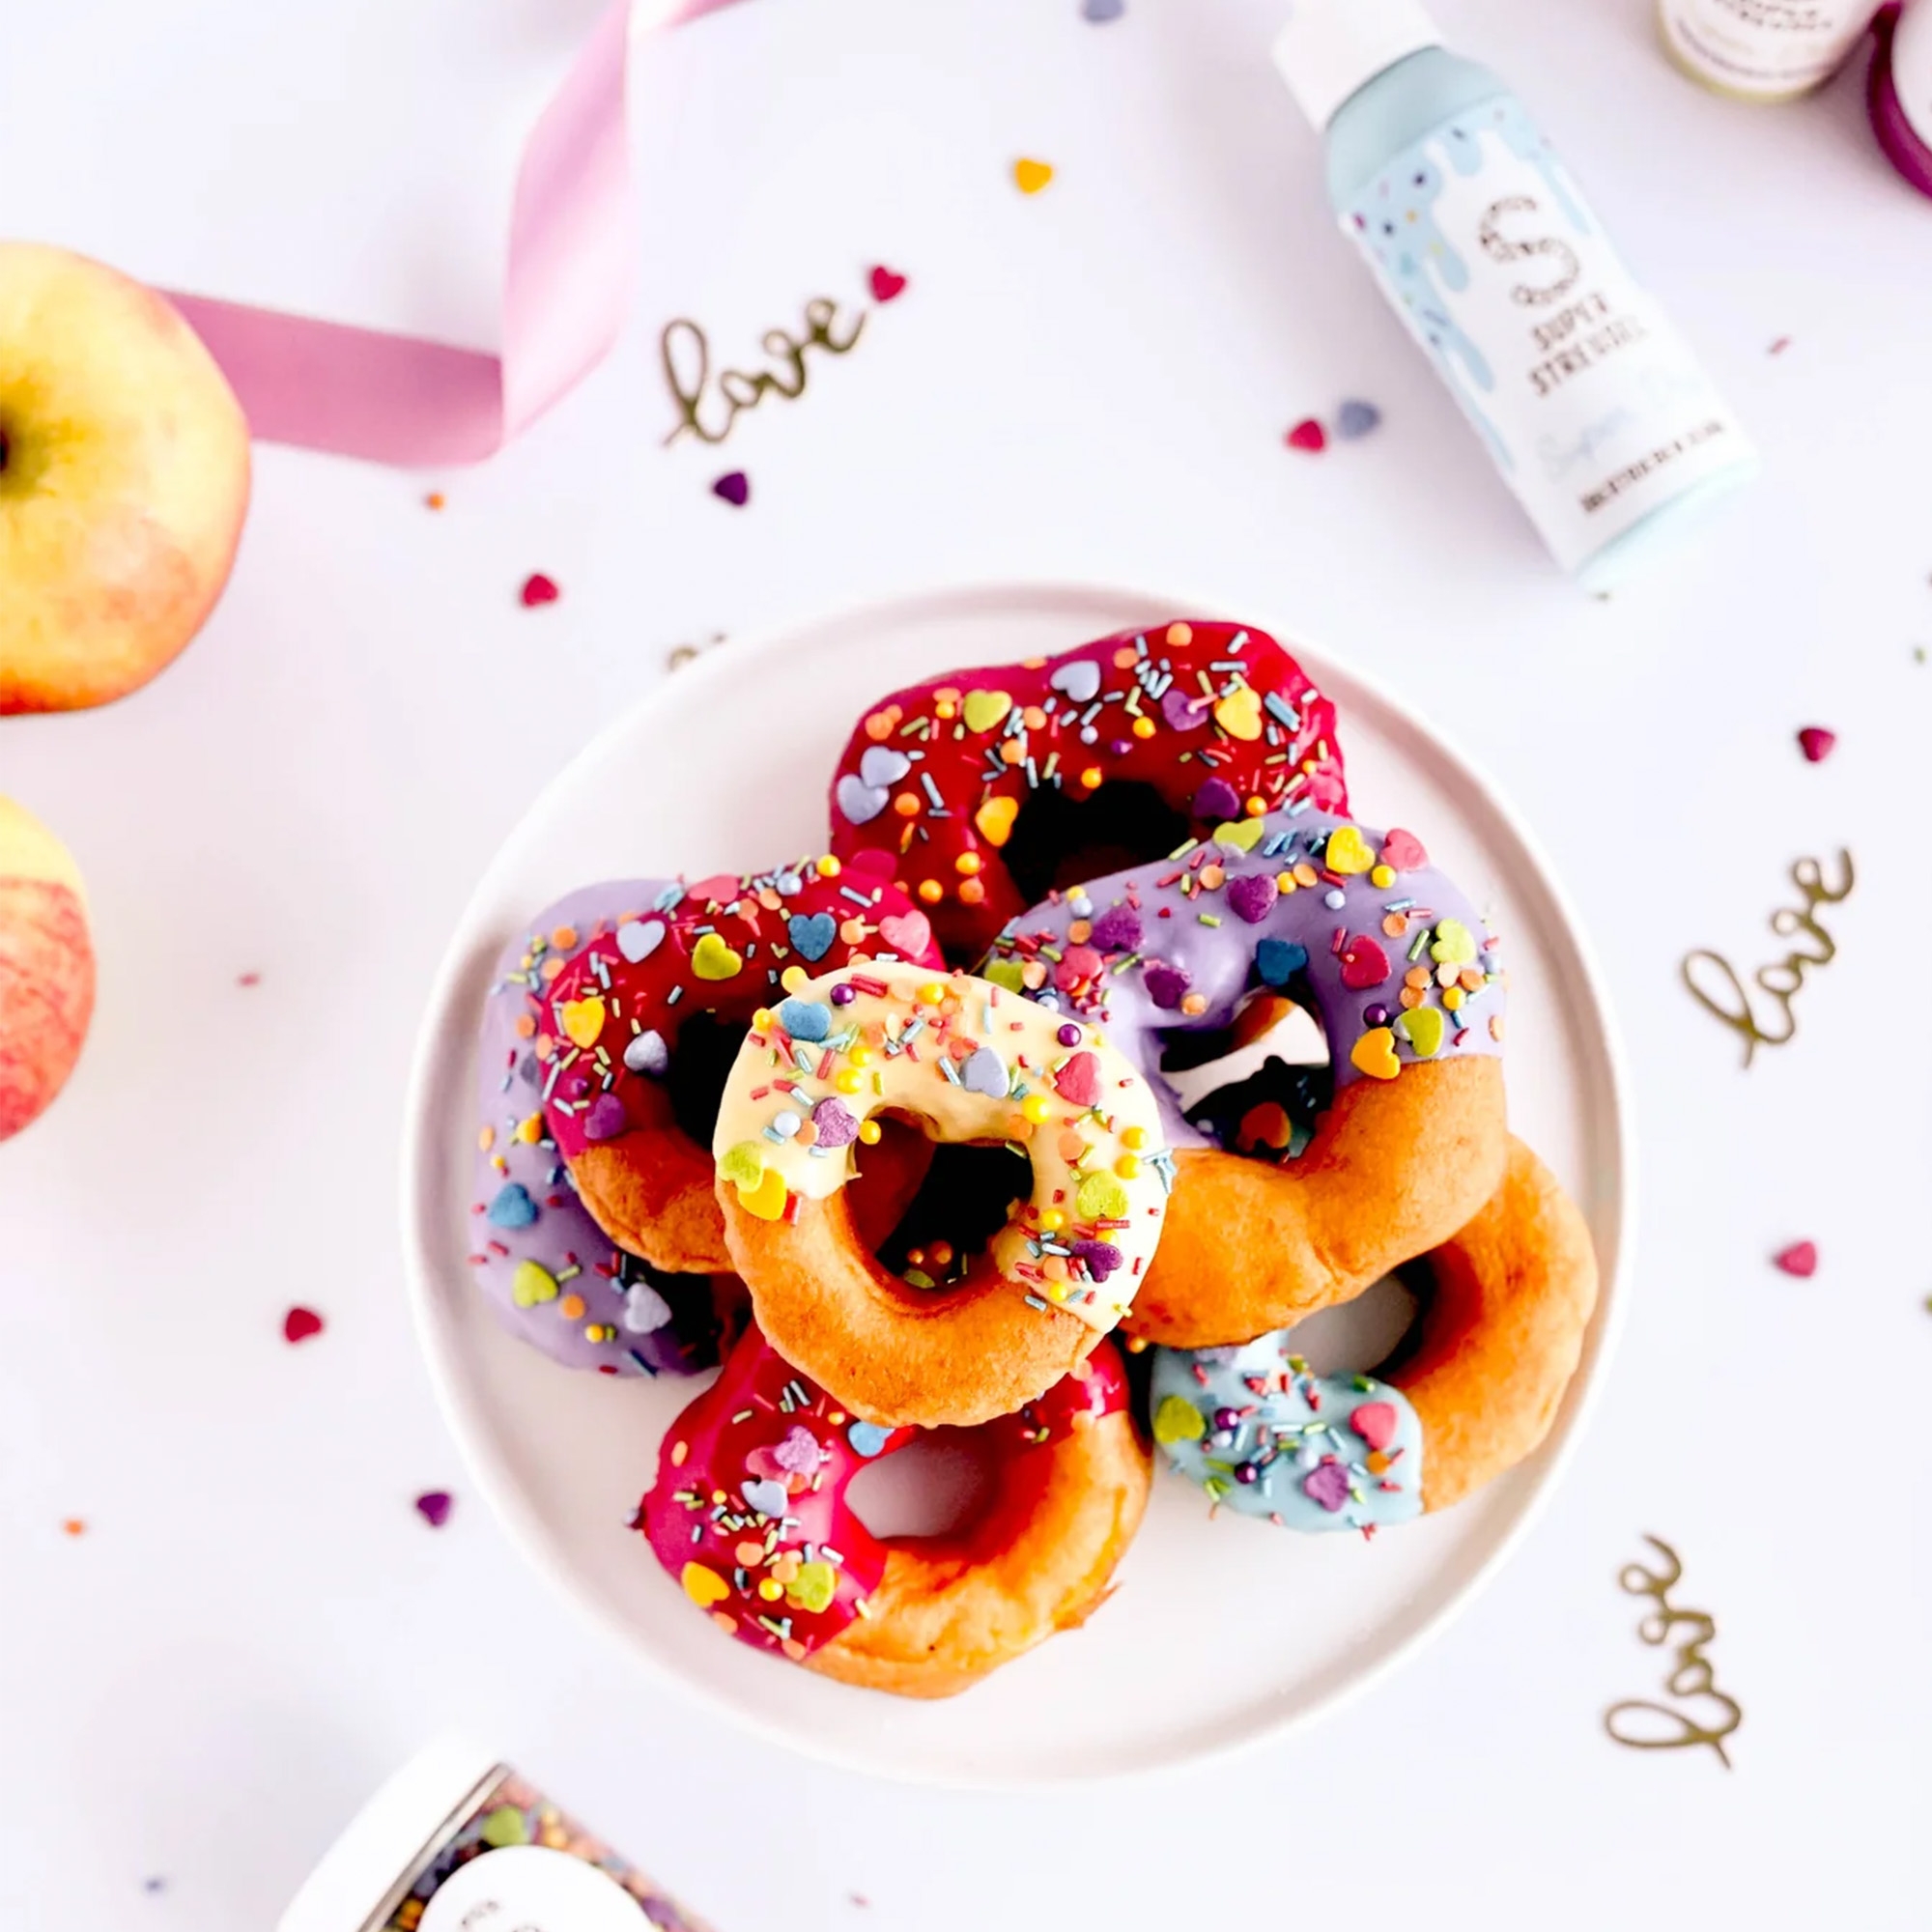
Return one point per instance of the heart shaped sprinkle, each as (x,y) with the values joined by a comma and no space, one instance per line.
(1118,930)
(1356,418)
(885,285)
(858,803)
(1178,1420)
(581,1020)
(1364,963)
(984,1072)
(798,1452)
(703,1585)
(1100,11)
(1242,834)
(1030,177)
(834,1122)
(1183,710)
(766,1496)
(712,959)
(608,1118)
(734,487)
(1099,1258)
(1328,1484)
(719,889)
(539,589)
(1348,852)
(512,1208)
(804,1019)
(647,1054)
(639,938)
(1815,742)
(1455,944)
(983,709)
(1403,850)
(1251,896)
(767,1200)
(530,1286)
(814,1587)
(1279,960)
(646,1310)
(434,1507)
(1800,1259)
(1308,435)
(299,1324)
(866,1439)
(1078,681)
(1101,1197)
(1423,1028)
(1008,973)
(743,1165)
(1374,1054)
(1217,799)
(908,934)
(881,765)
(1265,1127)
(994,819)
(1166,985)
(1239,713)
(811,934)
(1078,1080)
(1374,1422)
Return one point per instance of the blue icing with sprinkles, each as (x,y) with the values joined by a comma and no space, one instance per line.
(1265,1437)
(512,1208)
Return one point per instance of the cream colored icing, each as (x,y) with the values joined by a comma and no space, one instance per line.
(969,1062)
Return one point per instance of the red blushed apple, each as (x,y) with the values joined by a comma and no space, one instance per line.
(123,480)
(47,967)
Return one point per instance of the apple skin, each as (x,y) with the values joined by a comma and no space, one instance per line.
(123,481)
(47,967)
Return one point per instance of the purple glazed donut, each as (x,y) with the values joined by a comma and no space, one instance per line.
(552,1275)
(1396,966)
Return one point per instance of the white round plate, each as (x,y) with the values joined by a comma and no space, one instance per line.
(1185,1659)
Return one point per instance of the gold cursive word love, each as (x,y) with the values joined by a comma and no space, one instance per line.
(1782,980)
(1646,1727)
(687,368)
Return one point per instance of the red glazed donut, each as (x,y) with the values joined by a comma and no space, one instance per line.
(980,790)
(631,1087)
(749,1513)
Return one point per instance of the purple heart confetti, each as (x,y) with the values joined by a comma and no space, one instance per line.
(434,1507)
(1328,1483)
(734,487)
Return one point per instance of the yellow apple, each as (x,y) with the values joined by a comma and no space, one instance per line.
(123,480)
(47,967)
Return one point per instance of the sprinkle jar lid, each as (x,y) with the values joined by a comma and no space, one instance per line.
(386,1841)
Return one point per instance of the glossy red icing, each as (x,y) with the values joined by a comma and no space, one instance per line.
(789,1572)
(721,947)
(1211,716)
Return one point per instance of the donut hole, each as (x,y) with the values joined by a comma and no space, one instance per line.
(1372,1334)
(700,1063)
(1057,840)
(965,1199)
(938,1484)
(1258,1085)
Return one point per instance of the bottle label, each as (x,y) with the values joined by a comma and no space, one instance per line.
(1589,400)
(1764,50)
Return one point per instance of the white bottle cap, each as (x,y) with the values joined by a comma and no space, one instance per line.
(407,1817)
(1331,48)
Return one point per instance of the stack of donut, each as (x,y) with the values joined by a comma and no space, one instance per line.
(773,1117)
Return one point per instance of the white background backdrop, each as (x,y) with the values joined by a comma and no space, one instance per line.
(1092,382)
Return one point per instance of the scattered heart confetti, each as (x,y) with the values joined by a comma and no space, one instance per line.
(1100,11)
(1030,177)
(734,487)
(248,978)
(299,1324)
(1356,418)
(434,500)
(885,285)
(1800,1259)
(1816,743)
(539,589)
(1328,1483)
(434,1507)
(1308,435)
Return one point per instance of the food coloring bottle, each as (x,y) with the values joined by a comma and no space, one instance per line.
(458,1841)
(1586,397)
(1762,50)
(1901,93)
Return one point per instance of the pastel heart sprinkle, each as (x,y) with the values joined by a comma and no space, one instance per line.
(581,1020)
(639,938)
(814,1587)
(1308,435)
(711,959)
(983,709)
(1364,963)
(1118,930)
(647,1054)
(1816,743)
(703,1587)
(1374,1422)
(1008,973)
(804,1019)
(1454,945)
(299,1324)
(1356,418)
(835,1124)
(1348,852)
(1423,1028)
(646,1310)
(984,1072)
(1217,799)
(1242,834)
(1100,11)
(1374,1054)
(1251,896)
(1030,177)
(1101,1197)
(539,589)
(1328,1484)
(1183,710)
(881,765)
(1800,1259)
(906,932)
(1099,1257)
(1279,960)
(734,487)
(766,1496)
(1078,1081)
(533,1284)
(743,1165)
(798,1450)
(1166,985)
(858,803)
(608,1118)
(811,934)
(512,1208)
(866,1439)
(1178,1420)
(994,819)
(1239,713)
(766,1201)
(887,286)
(1078,681)
(1403,851)
(434,1507)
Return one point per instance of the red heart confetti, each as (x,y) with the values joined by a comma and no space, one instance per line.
(539,589)
(1078,1082)
(1364,964)
(1374,1422)
(734,487)
(1308,435)
(1800,1259)
(299,1324)
(1816,743)
(434,1507)
(1403,851)
(885,285)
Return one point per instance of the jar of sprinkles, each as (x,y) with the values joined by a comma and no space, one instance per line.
(458,1841)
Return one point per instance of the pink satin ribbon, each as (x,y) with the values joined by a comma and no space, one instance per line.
(401,400)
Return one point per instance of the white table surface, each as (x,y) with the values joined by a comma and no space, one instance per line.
(1092,382)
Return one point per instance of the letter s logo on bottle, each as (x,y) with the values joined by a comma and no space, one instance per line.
(1498,247)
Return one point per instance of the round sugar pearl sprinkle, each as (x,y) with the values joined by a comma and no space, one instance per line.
(786,1122)
(1335,899)
(1080,906)
(842,995)
(1374,1017)
(1068,1034)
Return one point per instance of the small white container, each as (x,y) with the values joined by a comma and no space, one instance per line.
(1763,50)
(457,1840)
